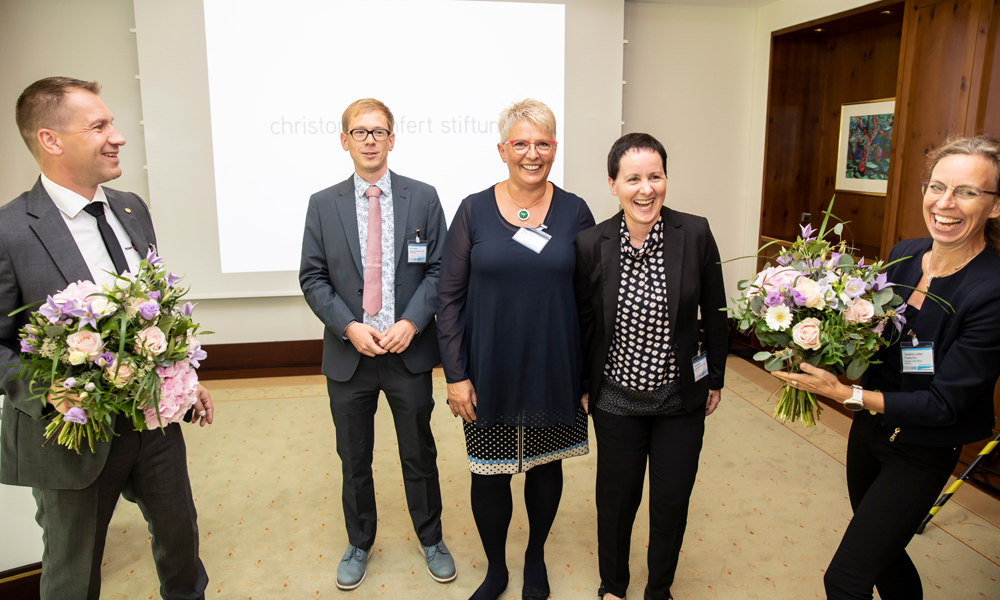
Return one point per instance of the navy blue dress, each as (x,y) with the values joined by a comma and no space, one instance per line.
(508,322)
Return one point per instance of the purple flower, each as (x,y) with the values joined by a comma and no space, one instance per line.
(149,310)
(898,318)
(154,296)
(797,297)
(90,386)
(50,310)
(855,287)
(171,280)
(861,262)
(26,345)
(834,260)
(880,282)
(104,359)
(76,415)
(784,260)
(187,309)
(153,259)
(86,315)
(807,232)
(773,298)
(196,355)
(69,382)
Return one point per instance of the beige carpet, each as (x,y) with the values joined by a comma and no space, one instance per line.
(766,515)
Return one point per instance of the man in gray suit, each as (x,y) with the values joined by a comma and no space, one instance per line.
(371,257)
(55,234)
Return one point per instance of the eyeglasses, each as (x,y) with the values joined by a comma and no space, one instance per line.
(541,146)
(936,189)
(361,135)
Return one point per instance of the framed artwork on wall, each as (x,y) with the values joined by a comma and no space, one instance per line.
(865,140)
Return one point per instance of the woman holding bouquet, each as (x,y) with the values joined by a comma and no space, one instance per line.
(510,341)
(933,390)
(641,277)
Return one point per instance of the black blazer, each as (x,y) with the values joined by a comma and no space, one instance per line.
(694,280)
(953,406)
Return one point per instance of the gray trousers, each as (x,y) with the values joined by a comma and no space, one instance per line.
(148,468)
(353,404)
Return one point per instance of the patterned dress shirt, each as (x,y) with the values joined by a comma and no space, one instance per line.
(385,317)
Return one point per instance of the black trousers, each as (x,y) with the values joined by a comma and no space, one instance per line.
(148,468)
(353,404)
(672,446)
(892,485)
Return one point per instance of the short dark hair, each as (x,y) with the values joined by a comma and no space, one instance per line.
(38,105)
(633,141)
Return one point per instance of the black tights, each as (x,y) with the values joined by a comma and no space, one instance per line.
(492,507)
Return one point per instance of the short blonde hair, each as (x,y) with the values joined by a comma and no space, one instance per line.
(986,147)
(532,111)
(366,105)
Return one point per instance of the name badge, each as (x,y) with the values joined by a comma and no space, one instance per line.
(416,253)
(532,238)
(917,357)
(700,366)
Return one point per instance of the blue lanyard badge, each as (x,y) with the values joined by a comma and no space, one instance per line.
(416,250)
(917,356)
(700,366)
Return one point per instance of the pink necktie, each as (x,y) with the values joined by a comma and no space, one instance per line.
(372,300)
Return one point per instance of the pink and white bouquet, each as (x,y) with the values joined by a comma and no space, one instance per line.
(817,305)
(130,348)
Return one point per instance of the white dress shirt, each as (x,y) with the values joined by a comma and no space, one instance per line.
(84,229)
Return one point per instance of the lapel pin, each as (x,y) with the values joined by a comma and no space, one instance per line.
(128,210)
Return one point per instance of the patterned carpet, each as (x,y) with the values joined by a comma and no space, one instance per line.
(766,515)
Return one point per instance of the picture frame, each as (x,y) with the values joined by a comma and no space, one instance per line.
(865,142)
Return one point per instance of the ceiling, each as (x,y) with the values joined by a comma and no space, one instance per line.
(725,3)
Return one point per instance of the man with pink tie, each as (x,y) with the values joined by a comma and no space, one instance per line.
(371,257)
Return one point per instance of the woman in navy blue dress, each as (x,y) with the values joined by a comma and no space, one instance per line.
(510,341)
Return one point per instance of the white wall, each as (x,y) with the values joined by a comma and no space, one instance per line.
(688,82)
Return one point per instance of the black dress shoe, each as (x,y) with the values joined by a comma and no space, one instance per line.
(533,593)
(646,596)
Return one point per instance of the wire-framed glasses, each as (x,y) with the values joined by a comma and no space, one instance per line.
(361,135)
(935,189)
(541,146)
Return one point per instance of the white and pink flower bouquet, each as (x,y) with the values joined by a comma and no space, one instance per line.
(131,349)
(821,306)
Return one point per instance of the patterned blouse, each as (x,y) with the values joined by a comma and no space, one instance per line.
(641,377)
(385,317)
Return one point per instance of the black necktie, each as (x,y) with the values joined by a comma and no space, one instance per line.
(114,248)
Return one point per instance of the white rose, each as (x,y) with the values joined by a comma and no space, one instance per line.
(77,358)
(150,342)
(811,290)
(87,342)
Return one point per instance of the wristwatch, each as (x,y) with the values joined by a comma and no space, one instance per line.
(855,402)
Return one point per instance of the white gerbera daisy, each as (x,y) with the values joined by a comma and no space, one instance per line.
(779,317)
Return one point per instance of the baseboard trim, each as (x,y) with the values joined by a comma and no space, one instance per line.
(21,583)
(262,359)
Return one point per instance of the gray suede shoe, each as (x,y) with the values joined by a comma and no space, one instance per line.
(352,568)
(440,564)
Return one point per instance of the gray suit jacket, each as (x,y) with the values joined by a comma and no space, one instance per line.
(331,272)
(39,257)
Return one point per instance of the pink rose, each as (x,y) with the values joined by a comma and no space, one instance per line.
(124,373)
(178,393)
(80,291)
(859,311)
(806,333)
(150,342)
(772,279)
(87,342)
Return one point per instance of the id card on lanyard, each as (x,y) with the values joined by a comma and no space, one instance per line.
(533,238)
(916,356)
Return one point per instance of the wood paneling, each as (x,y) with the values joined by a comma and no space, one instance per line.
(862,66)
(935,87)
(264,359)
(988,117)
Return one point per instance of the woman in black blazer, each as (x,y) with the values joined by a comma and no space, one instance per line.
(641,277)
(910,426)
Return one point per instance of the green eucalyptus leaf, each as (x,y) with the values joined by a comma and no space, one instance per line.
(54,330)
(774,364)
(761,356)
(849,348)
(756,304)
(846,260)
(856,368)
(880,297)
(838,228)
